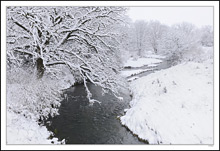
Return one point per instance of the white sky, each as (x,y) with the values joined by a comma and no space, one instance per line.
(198,16)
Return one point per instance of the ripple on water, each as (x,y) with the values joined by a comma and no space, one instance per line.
(80,123)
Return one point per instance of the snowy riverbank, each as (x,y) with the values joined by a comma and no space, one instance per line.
(29,100)
(173,106)
(149,60)
(140,65)
(21,130)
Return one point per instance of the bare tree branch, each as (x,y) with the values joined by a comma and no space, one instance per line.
(21,26)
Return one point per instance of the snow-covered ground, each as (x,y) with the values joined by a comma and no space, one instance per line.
(21,130)
(152,65)
(127,73)
(133,78)
(173,106)
(155,56)
(141,62)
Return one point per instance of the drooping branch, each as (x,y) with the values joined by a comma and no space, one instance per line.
(73,53)
(21,26)
(20,50)
(85,41)
(54,63)
(63,40)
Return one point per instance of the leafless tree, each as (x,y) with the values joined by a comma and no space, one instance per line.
(81,38)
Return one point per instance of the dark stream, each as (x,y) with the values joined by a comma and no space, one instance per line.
(80,123)
(166,63)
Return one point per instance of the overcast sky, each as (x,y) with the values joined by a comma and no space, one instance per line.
(199,16)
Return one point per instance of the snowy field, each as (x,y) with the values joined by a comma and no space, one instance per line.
(173,106)
(141,62)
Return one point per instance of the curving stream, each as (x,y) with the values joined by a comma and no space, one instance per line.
(80,123)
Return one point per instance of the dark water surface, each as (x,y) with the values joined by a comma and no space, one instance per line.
(81,123)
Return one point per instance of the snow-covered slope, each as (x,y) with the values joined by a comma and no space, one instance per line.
(141,62)
(29,100)
(21,130)
(173,106)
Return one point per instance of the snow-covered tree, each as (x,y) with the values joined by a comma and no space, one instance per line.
(126,39)
(179,39)
(155,31)
(81,38)
(207,36)
(146,36)
(140,33)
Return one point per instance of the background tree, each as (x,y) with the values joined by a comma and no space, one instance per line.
(155,31)
(179,39)
(207,36)
(146,36)
(126,39)
(140,31)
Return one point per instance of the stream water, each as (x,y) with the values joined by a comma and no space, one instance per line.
(80,123)
(166,63)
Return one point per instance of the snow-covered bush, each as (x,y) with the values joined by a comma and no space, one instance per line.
(31,97)
(198,54)
(30,100)
(207,36)
(181,42)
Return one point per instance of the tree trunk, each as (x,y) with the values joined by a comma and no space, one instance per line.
(40,68)
(155,50)
(139,52)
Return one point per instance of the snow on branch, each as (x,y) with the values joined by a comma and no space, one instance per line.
(55,63)
(21,26)
(82,38)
